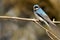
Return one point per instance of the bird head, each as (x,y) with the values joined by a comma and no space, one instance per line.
(35,7)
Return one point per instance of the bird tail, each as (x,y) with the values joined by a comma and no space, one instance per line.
(53,27)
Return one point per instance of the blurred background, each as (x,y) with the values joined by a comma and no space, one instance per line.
(12,29)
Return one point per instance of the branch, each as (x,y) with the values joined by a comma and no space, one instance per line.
(18,18)
(55,21)
(47,30)
(26,19)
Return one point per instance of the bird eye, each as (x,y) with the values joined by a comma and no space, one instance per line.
(36,6)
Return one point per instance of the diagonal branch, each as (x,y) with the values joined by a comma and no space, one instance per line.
(28,19)
(47,30)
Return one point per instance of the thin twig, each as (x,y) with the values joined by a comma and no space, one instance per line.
(18,18)
(55,21)
(49,35)
(47,30)
(26,19)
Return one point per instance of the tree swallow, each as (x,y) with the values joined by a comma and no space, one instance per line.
(42,16)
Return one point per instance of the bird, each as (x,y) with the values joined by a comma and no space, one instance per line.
(42,16)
